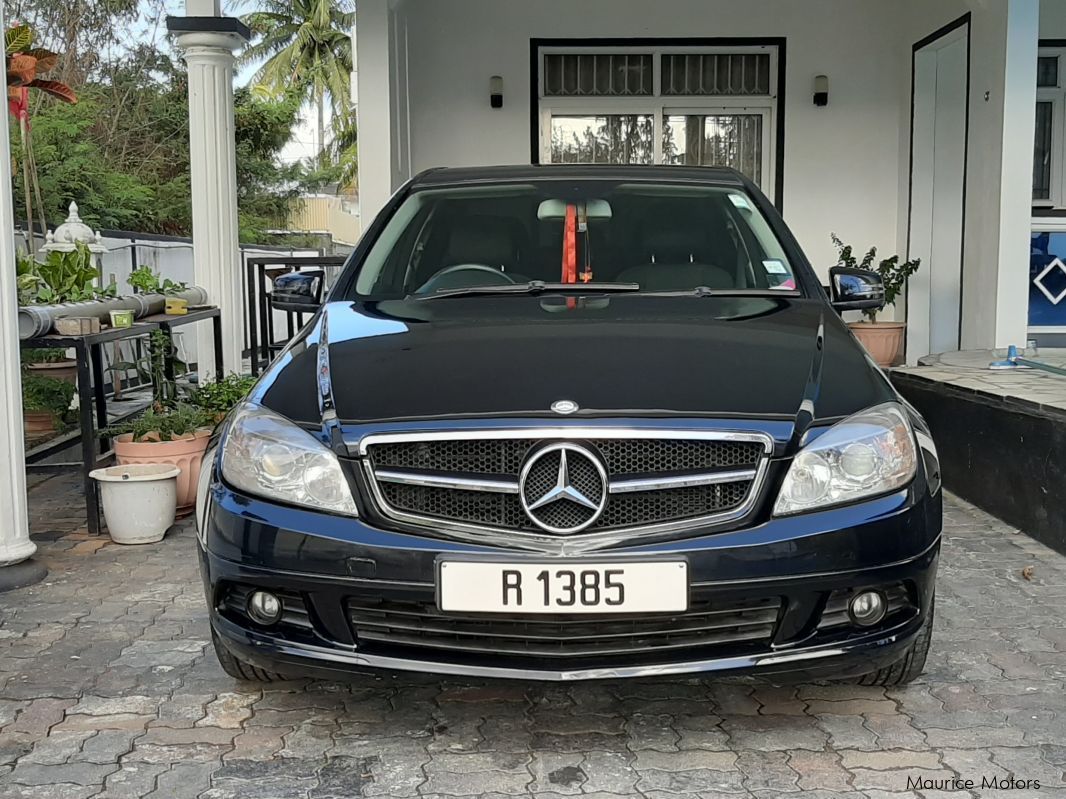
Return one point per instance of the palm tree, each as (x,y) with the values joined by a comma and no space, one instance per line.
(304,46)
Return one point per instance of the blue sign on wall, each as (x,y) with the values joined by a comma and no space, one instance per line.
(1047,280)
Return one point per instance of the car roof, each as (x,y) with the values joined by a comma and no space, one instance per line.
(450,176)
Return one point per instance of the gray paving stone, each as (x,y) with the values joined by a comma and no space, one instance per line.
(132,781)
(774,733)
(609,773)
(76,773)
(557,772)
(108,690)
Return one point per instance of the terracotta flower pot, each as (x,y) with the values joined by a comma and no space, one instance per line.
(883,340)
(186,453)
(60,370)
(37,423)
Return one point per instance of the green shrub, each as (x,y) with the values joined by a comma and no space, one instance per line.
(220,397)
(49,355)
(145,281)
(46,394)
(60,277)
(167,425)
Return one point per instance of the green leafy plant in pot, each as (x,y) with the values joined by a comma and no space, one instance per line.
(44,401)
(60,277)
(883,340)
(221,396)
(171,434)
(50,362)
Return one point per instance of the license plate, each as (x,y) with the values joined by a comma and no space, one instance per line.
(567,587)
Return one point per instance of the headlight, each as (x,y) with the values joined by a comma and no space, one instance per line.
(869,453)
(271,457)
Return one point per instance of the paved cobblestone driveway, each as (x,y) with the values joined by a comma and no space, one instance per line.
(109,688)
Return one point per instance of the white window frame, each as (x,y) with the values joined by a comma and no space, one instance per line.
(1057,97)
(768,131)
(658,105)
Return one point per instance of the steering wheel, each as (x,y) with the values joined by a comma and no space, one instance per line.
(464,276)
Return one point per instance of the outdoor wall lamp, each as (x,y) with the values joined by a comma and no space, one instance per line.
(821,91)
(496,91)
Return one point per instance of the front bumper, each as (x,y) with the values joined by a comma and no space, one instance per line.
(326,564)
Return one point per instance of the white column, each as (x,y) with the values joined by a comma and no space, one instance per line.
(15,544)
(372,81)
(999,177)
(216,257)
(1016,172)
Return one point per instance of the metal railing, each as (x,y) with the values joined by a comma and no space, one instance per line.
(260,314)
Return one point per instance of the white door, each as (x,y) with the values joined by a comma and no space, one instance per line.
(938,189)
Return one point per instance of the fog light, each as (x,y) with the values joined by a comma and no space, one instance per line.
(867,608)
(264,607)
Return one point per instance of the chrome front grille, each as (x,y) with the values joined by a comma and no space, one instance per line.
(483,481)
(621,456)
(416,624)
(505,510)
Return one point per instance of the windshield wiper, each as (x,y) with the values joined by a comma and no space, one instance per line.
(706,291)
(532,287)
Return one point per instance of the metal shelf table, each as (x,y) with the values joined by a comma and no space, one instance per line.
(92,396)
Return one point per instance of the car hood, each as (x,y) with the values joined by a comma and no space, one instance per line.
(631,355)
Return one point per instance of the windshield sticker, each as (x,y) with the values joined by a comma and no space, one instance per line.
(775,267)
(740,201)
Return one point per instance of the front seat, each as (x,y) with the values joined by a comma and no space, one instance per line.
(478,251)
(675,262)
(488,240)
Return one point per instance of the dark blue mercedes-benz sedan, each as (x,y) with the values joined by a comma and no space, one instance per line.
(568,423)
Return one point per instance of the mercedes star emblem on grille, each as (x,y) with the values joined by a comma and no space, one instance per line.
(563,488)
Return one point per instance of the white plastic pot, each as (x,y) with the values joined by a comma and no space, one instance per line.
(139,500)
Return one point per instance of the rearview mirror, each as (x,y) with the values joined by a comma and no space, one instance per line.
(856,289)
(298,291)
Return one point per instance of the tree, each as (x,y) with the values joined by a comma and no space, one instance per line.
(85,32)
(304,46)
(130,170)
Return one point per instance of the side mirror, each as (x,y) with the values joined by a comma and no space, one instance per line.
(298,291)
(856,289)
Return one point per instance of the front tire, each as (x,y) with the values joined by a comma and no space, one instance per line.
(239,669)
(909,667)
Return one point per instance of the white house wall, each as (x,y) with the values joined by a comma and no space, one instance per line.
(840,163)
(1053,19)
(846,166)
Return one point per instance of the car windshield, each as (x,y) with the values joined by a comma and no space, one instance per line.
(634,237)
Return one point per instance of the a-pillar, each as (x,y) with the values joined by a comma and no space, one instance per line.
(209,41)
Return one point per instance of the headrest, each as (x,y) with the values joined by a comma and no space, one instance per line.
(489,240)
(675,245)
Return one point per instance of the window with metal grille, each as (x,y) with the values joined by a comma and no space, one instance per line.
(598,75)
(715,74)
(661,104)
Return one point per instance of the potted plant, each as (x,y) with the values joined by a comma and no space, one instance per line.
(145,281)
(139,501)
(175,435)
(883,340)
(50,362)
(220,397)
(60,277)
(44,399)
